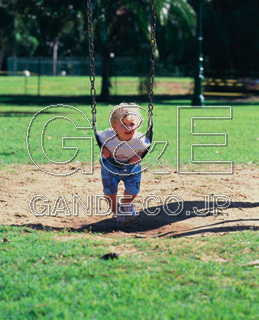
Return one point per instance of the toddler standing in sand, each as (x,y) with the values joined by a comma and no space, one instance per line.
(122,151)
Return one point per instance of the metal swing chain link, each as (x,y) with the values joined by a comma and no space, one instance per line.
(91,56)
(152,58)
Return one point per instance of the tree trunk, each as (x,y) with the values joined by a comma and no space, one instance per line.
(55,57)
(1,55)
(15,47)
(105,92)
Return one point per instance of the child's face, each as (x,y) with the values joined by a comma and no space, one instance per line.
(125,128)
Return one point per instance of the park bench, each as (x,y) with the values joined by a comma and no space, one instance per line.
(224,87)
(242,87)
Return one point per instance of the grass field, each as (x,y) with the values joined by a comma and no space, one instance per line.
(74,86)
(59,275)
(51,274)
(242,144)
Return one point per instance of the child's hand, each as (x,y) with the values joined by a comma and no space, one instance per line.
(135,159)
(106,153)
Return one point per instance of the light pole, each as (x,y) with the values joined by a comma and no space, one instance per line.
(198,98)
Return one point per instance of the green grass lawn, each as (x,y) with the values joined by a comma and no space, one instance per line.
(74,86)
(46,274)
(242,133)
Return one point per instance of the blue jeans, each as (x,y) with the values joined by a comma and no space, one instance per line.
(111,176)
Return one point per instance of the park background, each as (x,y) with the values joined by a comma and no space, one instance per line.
(50,38)
(189,266)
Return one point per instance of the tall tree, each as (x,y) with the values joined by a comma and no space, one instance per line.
(6,29)
(231,29)
(50,21)
(130,20)
(175,34)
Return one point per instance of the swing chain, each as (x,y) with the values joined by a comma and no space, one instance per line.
(91,56)
(152,58)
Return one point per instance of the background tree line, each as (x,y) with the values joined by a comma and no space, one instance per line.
(58,28)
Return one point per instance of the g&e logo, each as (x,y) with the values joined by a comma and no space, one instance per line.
(33,138)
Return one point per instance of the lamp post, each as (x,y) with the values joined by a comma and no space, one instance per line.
(198,98)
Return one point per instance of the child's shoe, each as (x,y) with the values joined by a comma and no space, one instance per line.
(120,218)
(130,213)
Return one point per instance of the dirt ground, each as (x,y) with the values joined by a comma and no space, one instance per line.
(20,204)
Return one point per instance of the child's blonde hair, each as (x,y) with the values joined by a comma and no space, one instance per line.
(125,110)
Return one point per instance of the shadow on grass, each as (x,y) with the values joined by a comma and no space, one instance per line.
(162,225)
(7,153)
(31,100)
(22,113)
